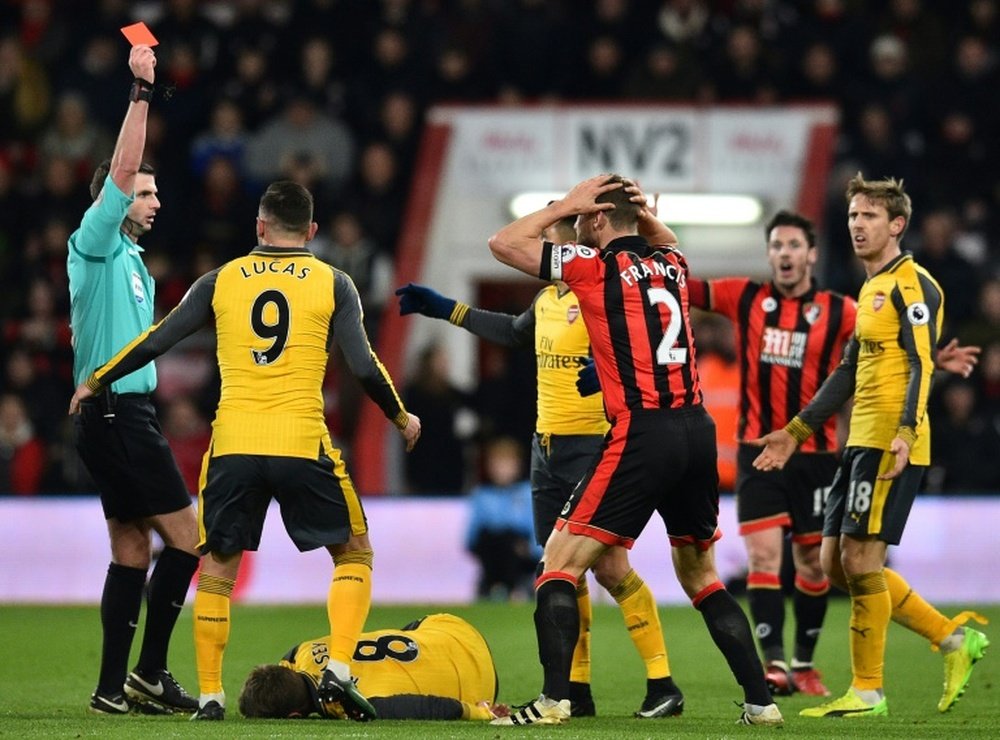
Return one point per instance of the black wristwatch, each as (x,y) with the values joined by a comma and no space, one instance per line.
(141,90)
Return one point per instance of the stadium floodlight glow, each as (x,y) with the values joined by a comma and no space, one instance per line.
(705,209)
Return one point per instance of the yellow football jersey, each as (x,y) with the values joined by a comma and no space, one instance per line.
(900,314)
(561,341)
(443,656)
(277,312)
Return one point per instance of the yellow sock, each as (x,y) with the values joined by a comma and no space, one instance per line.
(871,608)
(643,623)
(910,610)
(348,602)
(579,671)
(211,629)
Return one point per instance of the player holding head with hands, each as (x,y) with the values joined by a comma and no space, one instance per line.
(632,289)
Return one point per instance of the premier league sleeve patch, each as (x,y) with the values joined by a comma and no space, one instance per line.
(918,314)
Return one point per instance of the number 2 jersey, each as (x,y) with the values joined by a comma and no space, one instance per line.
(277,311)
(634,301)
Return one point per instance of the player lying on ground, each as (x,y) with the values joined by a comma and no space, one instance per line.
(436,668)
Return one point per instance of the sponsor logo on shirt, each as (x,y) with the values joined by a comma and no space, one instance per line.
(782,347)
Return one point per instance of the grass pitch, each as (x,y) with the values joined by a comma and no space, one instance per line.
(50,659)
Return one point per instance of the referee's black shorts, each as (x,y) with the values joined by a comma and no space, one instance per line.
(129,459)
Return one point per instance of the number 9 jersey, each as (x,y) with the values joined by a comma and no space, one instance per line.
(277,312)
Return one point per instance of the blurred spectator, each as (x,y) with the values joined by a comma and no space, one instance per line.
(317,78)
(44,395)
(226,137)
(301,129)
(603,74)
(73,136)
(744,72)
(957,276)
(501,530)
(100,76)
(964,444)
(253,87)
(663,74)
(983,327)
(398,125)
(22,454)
(217,214)
(719,375)
(437,465)
(350,249)
(529,68)
(925,44)
(376,197)
(889,82)
(185,91)
(24,92)
(817,75)
(185,22)
(188,434)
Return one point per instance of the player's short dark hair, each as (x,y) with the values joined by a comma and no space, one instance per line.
(287,206)
(791,218)
(625,214)
(101,174)
(274,692)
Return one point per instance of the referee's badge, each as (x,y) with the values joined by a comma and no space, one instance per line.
(137,290)
(572,313)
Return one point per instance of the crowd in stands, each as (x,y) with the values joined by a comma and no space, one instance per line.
(332,93)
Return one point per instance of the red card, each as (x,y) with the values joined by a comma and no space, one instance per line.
(139,33)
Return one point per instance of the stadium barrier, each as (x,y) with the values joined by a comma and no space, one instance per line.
(55,550)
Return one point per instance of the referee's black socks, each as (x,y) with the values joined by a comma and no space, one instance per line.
(168,587)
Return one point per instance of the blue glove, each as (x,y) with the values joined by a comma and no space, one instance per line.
(418,299)
(587,383)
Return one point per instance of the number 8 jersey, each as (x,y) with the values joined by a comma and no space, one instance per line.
(277,311)
(634,301)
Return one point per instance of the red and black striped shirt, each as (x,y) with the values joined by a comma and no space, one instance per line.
(634,301)
(786,346)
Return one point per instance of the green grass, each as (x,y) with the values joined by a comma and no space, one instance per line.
(49,659)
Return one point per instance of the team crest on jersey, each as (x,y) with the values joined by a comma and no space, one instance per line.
(918,314)
(878,301)
(572,313)
(811,312)
(769,304)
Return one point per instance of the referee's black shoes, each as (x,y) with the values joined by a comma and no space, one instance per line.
(160,689)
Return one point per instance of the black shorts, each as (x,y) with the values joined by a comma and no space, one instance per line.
(558,463)
(791,498)
(129,459)
(660,460)
(319,504)
(860,504)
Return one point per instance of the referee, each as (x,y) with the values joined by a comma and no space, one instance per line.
(117,433)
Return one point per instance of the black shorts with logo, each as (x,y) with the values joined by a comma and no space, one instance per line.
(792,497)
(129,459)
(319,504)
(861,504)
(661,460)
(558,463)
